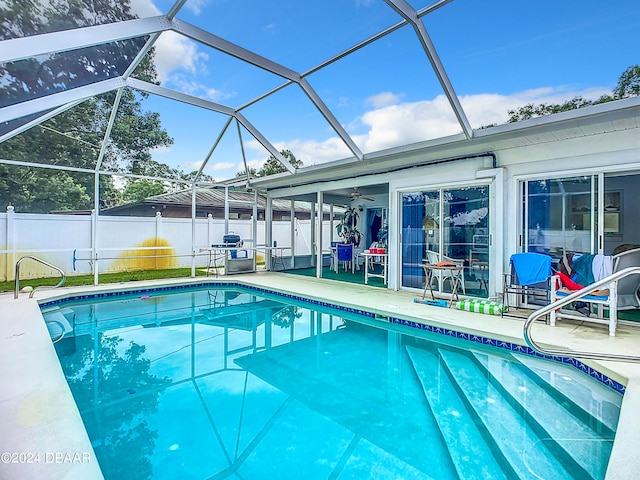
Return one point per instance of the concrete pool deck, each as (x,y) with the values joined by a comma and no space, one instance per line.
(44,437)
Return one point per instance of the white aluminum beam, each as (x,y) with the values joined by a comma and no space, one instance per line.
(91,171)
(243,54)
(216,107)
(36,121)
(175,9)
(37,45)
(409,13)
(232,49)
(212,149)
(264,142)
(55,100)
(107,133)
(179,96)
(333,121)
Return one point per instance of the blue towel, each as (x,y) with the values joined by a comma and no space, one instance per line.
(531,268)
(583,269)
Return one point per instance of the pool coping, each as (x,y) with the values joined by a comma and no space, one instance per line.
(618,379)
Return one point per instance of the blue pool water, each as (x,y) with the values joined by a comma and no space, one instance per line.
(240,384)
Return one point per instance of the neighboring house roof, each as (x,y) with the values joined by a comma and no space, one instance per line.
(214,198)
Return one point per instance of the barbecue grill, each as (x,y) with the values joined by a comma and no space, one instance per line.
(229,241)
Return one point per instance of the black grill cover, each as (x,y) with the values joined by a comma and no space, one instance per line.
(231,239)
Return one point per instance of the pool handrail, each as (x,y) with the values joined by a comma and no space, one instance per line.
(565,301)
(17,275)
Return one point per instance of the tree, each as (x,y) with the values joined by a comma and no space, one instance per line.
(628,83)
(628,86)
(73,138)
(273,165)
(141,189)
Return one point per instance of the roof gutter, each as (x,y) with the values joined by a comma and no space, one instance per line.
(494,164)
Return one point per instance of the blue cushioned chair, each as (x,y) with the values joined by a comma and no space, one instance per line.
(345,255)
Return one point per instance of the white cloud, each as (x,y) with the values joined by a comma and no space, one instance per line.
(220,166)
(310,152)
(383,99)
(406,123)
(144,8)
(175,52)
(161,149)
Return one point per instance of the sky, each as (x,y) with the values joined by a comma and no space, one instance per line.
(498,55)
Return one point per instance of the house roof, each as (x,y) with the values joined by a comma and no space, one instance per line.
(215,198)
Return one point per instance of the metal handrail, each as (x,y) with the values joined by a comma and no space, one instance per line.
(17,286)
(61,336)
(572,298)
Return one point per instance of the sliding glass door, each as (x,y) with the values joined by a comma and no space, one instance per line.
(560,215)
(447,225)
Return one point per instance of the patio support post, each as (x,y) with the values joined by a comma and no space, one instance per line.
(226,210)
(254,223)
(320,224)
(193,230)
(268,230)
(312,225)
(293,231)
(330,224)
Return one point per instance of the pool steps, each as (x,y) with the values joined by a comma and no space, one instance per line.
(572,385)
(511,390)
(573,441)
(471,457)
(526,454)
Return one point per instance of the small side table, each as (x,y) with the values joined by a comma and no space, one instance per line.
(456,273)
(383,261)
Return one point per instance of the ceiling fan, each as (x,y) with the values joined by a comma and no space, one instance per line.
(357,195)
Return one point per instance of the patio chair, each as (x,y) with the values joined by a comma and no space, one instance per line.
(334,256)
(622,295)
(627,290)
(442,275)
(529,279)
(345,255)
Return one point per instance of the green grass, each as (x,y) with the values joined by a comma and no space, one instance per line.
(78,280)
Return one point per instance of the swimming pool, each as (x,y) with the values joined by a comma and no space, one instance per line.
(231,382)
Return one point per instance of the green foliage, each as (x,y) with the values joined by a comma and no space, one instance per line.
(78,280)
(141,189)
(347,228)
(628,83)
(628,86)
(73,138)
(287,316)
(273,165)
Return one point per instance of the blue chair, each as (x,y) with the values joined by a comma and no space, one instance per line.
(345,255)
(529,279)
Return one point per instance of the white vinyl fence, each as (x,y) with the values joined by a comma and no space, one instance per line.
(128,243)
